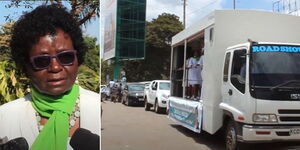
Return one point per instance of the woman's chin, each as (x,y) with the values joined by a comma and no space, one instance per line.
(55,91)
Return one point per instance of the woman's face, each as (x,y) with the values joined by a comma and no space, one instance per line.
(57,78)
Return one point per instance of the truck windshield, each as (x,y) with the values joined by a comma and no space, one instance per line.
(275,71)
(164,86)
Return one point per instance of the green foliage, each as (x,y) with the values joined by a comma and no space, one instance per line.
(88,78)
(88,75)
(12,82)
(161,30)
(82,10)
(156,64)
(5,36)
(92,56)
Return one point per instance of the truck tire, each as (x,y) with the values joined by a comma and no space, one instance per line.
(147,105)
(231,141)
(157,109)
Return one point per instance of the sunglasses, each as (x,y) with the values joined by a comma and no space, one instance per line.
(64,58)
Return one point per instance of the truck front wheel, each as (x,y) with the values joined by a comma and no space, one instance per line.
(231,137)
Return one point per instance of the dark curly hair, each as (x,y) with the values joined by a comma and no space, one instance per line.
(45,19)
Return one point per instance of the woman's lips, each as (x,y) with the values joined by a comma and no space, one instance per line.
(54,82)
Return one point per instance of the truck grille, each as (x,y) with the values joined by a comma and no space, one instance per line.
(289,119)
(289,112)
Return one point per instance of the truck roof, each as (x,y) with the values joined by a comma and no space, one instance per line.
(224,17)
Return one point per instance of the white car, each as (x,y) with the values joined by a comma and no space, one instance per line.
(157,95)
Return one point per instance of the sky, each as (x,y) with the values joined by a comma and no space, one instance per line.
(195,9)
(91,28)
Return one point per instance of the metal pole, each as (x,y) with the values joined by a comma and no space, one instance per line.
(184,81)
(233,4)
(171,70)
(184,12)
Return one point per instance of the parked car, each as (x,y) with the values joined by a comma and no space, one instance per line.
(133,93)
(157,95)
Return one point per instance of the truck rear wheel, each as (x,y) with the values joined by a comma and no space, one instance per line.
(147,105)
(231,141)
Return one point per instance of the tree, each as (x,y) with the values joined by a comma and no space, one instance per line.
(88,74)
(91,58)
(158,50)
(5,35)
(82,10)
(12,82)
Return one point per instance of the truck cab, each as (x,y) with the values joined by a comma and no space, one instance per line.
(260,92)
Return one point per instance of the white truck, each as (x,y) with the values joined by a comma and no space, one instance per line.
(156,95)
(262,104)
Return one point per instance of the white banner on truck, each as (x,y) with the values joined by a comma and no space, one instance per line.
(186,113)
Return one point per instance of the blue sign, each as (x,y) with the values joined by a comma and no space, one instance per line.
(276,48)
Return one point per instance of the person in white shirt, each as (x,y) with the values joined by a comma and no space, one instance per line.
(193,78)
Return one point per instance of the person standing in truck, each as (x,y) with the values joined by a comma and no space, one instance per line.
(187,85)
(200,66)
(193,78)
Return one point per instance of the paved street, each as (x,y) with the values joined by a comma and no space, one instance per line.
(132,128)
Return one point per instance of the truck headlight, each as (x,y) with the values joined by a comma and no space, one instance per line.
(265,118)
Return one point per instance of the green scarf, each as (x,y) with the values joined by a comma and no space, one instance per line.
(55,133)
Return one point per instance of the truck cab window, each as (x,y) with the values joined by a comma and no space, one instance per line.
(238,70)
(226,67)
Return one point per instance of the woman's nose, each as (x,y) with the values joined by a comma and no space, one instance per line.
(55,66)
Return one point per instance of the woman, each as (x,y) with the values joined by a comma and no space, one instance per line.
(48,46)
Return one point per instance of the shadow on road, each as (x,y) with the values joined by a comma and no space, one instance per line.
(213,142)
(216,142)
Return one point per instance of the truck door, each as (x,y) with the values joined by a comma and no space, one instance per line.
(235,87)
(225,87)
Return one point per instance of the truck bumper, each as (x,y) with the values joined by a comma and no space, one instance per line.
(252,133)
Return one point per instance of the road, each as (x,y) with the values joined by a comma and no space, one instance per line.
(132,128)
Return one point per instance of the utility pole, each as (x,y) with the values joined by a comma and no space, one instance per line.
(184,8)
(233,4)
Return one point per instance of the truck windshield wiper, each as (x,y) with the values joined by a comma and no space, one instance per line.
(285,83)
